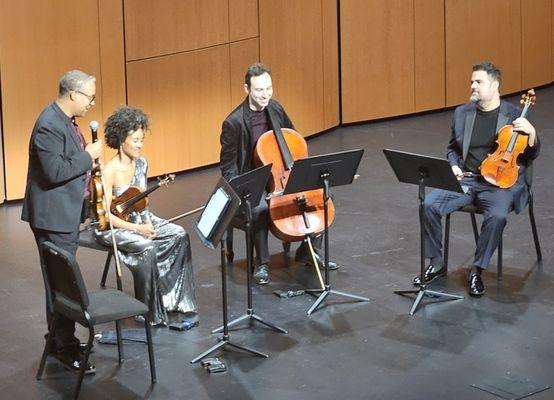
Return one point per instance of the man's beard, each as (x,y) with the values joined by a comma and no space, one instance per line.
(474,98)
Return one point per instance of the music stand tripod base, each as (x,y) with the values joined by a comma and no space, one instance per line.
(224,340)
(422,292)
(423,171)
(215,220)
(326,293)
(323,172)
(250,187)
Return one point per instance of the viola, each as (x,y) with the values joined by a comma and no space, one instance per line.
(292,216)
(500,168)
(97,211)
(134,199)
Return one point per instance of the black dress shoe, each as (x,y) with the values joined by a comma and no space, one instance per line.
(73,363)
(431,273)
(307,259)
(475,285)
(261,274)
(83,348)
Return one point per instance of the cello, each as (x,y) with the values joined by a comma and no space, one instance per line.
(500,168)
(297,215)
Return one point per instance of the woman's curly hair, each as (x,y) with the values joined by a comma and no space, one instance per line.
(121,123)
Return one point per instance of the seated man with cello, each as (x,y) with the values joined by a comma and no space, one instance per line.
(157,253)
(257,114)
(474,134)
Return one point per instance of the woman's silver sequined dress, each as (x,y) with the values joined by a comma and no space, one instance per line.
(161,267)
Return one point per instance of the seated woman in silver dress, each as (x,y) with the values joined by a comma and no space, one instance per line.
(159,257)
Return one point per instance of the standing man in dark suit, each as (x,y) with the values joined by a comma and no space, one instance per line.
(56,194)
(474,132)
(257,114)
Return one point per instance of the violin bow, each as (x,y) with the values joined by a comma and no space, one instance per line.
(114,243)
(181,216)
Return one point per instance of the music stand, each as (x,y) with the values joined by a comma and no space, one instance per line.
(211,227)
(423,171)
(250,187)
(322,172)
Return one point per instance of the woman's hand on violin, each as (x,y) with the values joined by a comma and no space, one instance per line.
(524,126)
(147,230)
(457,172)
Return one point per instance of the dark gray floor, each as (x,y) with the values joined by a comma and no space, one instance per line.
(353,350)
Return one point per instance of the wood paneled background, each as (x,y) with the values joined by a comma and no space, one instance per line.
(183,61)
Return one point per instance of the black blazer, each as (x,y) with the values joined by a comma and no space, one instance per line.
(56,174)
(462,129)
(235,156)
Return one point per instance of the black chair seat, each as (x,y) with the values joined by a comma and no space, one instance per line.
(86,239)
(473,209)
(65,286)
(104,306)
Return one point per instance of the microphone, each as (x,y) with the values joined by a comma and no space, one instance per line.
(94,130)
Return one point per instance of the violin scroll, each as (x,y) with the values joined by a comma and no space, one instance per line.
(529,98)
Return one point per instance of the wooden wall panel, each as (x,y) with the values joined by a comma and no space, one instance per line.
(112,55)
(39,41)
(429,54)
(161,27)
(243,19)
(242,55)
(187,96)
(377,41)
(295,56)
(470,39)
(536,42)
(330,64)
(2,191)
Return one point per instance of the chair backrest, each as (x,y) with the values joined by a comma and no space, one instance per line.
(64,276)
(529,173)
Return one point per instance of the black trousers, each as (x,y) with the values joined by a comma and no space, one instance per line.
(260,229)
(64,339)
(496,203)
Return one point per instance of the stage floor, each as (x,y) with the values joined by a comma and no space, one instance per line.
(349,350)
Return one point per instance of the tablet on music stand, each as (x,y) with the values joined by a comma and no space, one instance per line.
(218,213)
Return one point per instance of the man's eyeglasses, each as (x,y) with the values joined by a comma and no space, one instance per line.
(90,98)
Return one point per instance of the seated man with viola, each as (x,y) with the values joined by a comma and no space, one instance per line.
(474,134)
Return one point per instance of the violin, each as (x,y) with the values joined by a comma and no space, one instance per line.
(500,168)
(134,199)
(296,215)
(97,211)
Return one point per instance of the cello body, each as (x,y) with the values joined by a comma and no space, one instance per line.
(288,213)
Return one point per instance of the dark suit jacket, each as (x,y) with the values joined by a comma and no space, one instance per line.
(462,129)
(56,175)
(236,156)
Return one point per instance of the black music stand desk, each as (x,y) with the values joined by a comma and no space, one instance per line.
(211,228)
(250,187)
(322,172)
(423,171)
